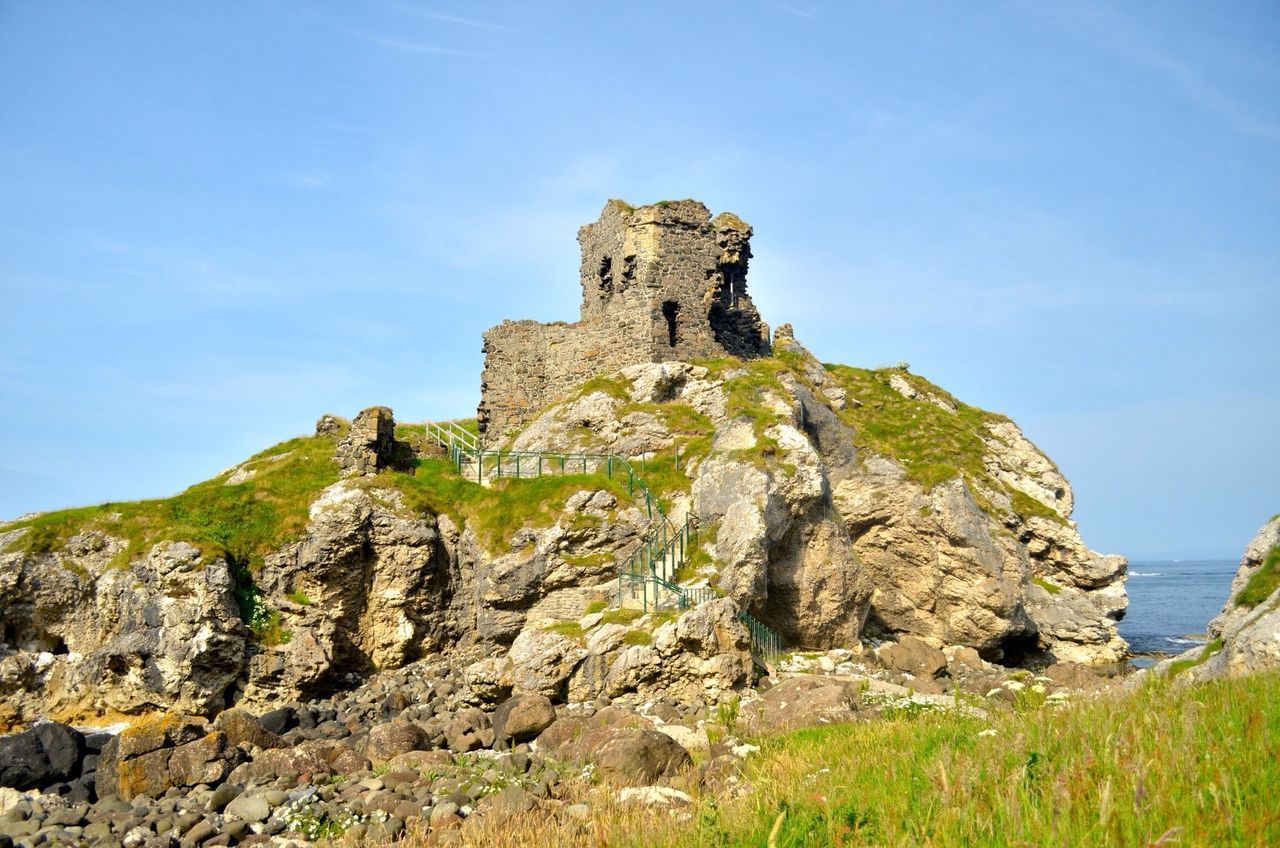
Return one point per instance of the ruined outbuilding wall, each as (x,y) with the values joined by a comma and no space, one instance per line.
(659,283)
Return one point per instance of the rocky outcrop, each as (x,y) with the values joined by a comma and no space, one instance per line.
(703,654)
(161,753)
(1245,634)
(806,521)
(87,636)
(821,535)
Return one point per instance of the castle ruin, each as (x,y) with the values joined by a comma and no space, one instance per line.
(660,283)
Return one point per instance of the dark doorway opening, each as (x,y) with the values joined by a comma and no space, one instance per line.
(606,276)
(670,309)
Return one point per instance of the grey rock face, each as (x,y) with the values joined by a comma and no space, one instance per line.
(164,632)
(1249,635)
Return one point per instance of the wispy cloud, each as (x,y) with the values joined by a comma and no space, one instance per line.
(416,46)
(447,19)
(807,14)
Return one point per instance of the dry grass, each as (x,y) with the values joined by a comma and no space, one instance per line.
(1166,765)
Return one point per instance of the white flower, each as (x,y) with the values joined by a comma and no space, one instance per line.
(990,731)
(1014,685)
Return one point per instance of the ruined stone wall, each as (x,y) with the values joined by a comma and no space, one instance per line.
(661,282)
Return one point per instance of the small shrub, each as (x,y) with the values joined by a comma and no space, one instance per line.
(638,637)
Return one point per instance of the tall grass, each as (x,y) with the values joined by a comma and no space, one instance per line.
(1166,765)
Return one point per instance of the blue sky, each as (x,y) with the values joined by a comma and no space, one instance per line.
(220,220)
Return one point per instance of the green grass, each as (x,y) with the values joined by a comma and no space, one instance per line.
(570,629)
(299,597)
(1051,588)
(497,512)
(932,444)
(613,385)
(244,521)
(620,616)
(637,637)
(1164,765)
(1211,647)
(1263,582)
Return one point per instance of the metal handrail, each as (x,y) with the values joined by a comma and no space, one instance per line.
(664,544)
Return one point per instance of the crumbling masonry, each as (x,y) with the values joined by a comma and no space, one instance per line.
(659,283)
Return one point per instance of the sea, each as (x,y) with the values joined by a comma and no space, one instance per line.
(1171,602)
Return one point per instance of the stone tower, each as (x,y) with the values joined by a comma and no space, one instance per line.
(660,282)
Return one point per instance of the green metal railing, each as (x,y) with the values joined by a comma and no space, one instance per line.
(650,569)
(766,644)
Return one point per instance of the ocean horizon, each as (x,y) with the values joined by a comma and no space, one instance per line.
(1172,601)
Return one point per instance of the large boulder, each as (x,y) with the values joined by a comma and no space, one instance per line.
(804,701)
(522,718)
(624,749)
(386,741)
(164,752)
(40,757)
(242,728)
(913,655)
(315,756)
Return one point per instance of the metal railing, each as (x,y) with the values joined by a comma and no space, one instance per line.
(766,644)
(649,572)
(449,434)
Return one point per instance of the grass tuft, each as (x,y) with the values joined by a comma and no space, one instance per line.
(1051,588)
(1263,582)
(1211,647)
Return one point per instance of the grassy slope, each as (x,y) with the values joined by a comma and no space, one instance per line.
(247,520)
(253,518)
(932,444)
(1194,765)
